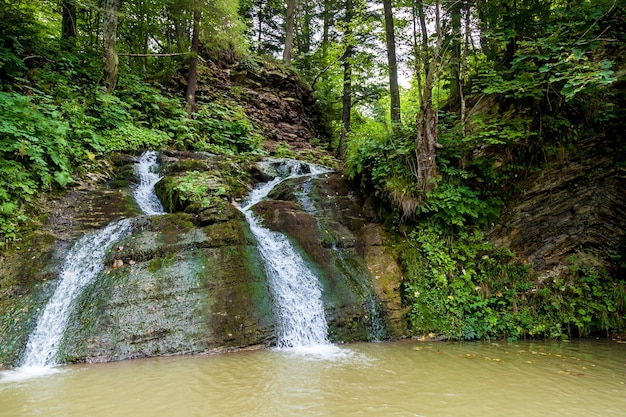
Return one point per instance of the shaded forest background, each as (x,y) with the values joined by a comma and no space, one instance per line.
(443,110)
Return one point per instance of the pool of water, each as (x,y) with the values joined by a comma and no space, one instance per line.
(406,378)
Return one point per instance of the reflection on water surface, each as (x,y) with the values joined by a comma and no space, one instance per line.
(408,378)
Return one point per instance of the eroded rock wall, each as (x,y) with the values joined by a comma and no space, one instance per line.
(338,230)
(572,207)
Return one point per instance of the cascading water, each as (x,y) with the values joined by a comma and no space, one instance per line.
(372,305)
(144,191)
(81,265)
(83,262)
(296,289)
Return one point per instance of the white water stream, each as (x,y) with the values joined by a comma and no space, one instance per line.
(296,290)
(144,193)
(81,265)
(378,328)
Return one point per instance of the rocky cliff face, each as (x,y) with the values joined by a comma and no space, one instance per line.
(192,281)
(279,105)
(574,207)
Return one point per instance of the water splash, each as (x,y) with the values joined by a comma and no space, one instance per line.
(296,290)
(82,264)
(144,191)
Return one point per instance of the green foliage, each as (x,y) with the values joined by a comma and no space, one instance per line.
(486,129)
(368,147)
(27,28)
(458,205)
(129,137)
(463,287)
(283,151)
(33,154)
(558,60)
(195,188)
(222,129)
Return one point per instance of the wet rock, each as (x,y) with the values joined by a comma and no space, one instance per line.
(336,228)
(187,292)
(192,281)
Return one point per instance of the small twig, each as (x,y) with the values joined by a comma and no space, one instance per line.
(329,66)
(150,55)
(597,20)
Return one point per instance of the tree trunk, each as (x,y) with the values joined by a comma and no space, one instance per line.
(394,90)
(260,17)
(347,82)
(483,27)
(346,102)
(289,24)
(192,77)
(424,30)
(455,63)
(109,34)
(304,47)
(68,22)
(326,24)
(427,118)
(466,44)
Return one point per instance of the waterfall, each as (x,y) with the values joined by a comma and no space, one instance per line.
(371,304)
(144,191)
(82,264)
(296,290)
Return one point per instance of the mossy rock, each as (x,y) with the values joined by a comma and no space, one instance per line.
(190,191)
(27,280)
(203,291)
(186,165)
(218,211)
(125,177)
(34,260)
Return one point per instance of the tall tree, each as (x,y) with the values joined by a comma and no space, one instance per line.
(426,119)
(346,99)
(326,18)
(304,41)
(192,76)
(109,34)
(266,17)
(68,22)
(455,9)
(289,27)
(390,38)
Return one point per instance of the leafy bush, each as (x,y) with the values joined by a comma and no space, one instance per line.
(129,137)
(462,286)
(458,205)
(33,154)
(222,129)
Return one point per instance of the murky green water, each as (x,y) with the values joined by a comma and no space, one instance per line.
(580,378)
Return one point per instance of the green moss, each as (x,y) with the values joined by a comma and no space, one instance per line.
(226,233)
(125,177)
(186,165)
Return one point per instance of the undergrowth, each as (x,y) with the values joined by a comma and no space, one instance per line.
(57,121)
(461,286)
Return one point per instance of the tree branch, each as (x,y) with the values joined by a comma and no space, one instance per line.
(149,55)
